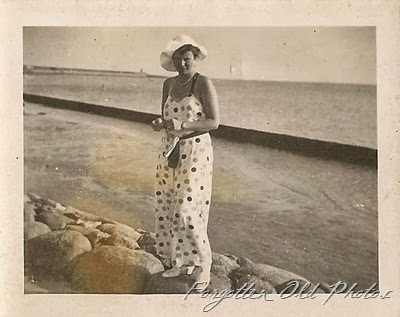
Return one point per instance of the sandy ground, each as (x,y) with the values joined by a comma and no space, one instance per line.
(314,217)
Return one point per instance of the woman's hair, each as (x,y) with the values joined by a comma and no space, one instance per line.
(189,48)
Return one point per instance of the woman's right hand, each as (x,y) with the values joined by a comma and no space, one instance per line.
(157,124)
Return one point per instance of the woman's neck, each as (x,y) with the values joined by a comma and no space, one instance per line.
(184,77)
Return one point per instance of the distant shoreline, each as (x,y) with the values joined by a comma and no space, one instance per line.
(34,69)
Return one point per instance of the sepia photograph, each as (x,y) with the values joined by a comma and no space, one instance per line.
(159,158)
(199,157)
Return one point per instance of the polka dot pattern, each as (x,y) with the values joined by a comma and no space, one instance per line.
(183,194)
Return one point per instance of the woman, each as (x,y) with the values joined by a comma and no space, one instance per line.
(184,171)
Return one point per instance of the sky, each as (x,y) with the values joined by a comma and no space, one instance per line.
(302,54)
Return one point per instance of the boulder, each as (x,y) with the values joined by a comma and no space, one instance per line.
(113,269)
(180,284)
(78,228)
(260,284)
(29,212)
(27,199)
(262,275)
(87,223)
(32,229)
(219,283)
(53,220)
(39,208)
(76,214)
(93,235)
(222,265)
(141,231)
(119,230)
(49,202)
(147,242)
(34,198)
(42,201)
(53,253)
(296,286)
(120,240)
(275,275)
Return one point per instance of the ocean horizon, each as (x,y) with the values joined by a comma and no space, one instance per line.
(333,112)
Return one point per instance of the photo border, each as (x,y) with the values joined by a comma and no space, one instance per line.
(16,14)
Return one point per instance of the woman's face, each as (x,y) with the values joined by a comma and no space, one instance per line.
(184,62)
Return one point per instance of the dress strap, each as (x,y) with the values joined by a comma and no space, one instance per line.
(194,79)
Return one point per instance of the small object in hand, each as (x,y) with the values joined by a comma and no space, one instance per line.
(157,121)
(157,124)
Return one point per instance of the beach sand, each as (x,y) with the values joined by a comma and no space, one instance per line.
(311,216)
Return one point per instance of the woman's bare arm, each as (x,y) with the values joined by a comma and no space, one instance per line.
(159,123)
(165,92)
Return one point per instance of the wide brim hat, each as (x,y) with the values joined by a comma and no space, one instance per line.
(177,42)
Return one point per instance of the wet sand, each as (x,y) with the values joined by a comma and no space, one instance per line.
(314,217)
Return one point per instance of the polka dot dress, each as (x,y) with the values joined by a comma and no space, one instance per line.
(183,194)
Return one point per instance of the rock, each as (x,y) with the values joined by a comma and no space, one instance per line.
(220,270)
(27,199)
(54,220)
(34,198)
(266,273)
(39,209)
(120,230)
(158,284)
(243,261)
(60,208)
(29,218)
(147,242)
(88,224)
(82,215)
(108,269)
(141,231)
(49,202)
(29,212)
(93,235)
(223,265)
(219,283)
(32,229)
(53,252)
(43,201)
(260,284)
(232,257)
(78,228)
(120,240)
(166,262)
(296,286)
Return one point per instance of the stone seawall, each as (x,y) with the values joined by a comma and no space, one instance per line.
(71,251)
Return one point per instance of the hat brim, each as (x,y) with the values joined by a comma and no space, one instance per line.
(166,56)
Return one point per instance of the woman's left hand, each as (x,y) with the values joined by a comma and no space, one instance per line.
(173,125)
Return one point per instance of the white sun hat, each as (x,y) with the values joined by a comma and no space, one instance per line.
(177,42)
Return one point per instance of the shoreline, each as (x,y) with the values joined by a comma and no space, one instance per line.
(298,145)
(36,69)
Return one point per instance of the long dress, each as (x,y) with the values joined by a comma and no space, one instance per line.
(183,194)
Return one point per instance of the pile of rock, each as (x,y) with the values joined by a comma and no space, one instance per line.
(92,254)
